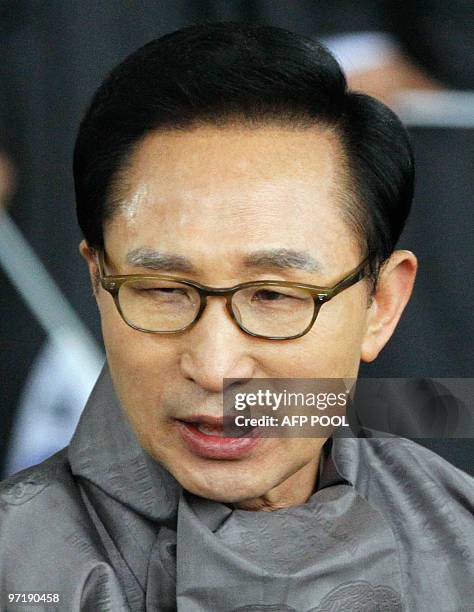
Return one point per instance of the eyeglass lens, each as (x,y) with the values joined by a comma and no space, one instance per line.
(166,306)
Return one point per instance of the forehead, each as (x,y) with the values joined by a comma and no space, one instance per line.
(219,191)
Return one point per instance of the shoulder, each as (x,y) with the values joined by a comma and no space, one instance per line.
(409,482)
(393,458)
(425,497)
(39,507)
(22,487)
(48,487)
(429,504)
(47,540)
(431,482)
(407,461)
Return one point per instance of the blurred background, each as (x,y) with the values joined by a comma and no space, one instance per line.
(416,56)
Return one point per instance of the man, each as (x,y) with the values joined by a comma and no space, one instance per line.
(240,210)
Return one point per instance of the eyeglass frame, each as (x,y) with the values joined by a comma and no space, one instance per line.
(321,295)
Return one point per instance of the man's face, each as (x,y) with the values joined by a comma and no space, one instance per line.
(213,197)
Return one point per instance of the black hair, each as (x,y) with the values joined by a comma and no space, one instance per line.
(217,73)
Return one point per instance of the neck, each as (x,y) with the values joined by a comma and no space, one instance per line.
(293,491)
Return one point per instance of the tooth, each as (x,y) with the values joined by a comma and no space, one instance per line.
(209,431)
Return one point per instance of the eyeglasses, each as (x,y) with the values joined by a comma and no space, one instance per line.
(271,309)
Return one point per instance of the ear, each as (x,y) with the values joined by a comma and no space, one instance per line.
(90,257)
(393,290)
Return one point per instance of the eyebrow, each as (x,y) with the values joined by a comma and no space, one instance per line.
(282,259)
(160,261)
(268,259)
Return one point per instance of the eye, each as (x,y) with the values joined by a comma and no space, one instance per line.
(175,295)
(163,293)
(166,290)
(268,295)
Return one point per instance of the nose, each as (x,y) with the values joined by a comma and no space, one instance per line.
(215,349)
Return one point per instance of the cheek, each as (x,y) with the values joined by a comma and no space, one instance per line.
(140,364)
(332,348)
(126,347)
(121,342)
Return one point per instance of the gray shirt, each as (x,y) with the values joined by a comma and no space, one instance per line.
(389,528)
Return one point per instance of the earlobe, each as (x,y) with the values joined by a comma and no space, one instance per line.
(393,290)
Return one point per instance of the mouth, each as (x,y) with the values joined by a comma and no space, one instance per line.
(217,437)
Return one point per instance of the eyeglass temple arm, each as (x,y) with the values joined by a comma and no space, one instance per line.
(101,264)
(106,284)
(359,273)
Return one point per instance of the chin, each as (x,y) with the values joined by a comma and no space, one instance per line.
(224,496)
(221,485)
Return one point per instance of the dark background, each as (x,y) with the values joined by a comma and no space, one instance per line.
(55,53)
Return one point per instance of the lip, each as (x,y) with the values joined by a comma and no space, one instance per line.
(214,447)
